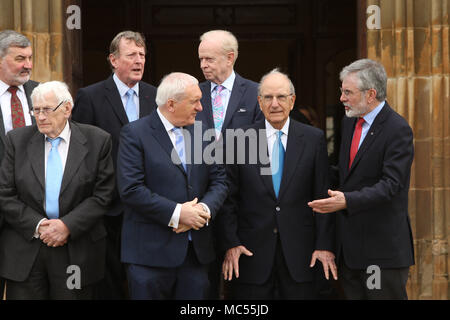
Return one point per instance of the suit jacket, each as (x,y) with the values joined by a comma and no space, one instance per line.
(28,87)
(86,192)
(253,216)
(100,105)
(375,228)
(151,185)
(243,108)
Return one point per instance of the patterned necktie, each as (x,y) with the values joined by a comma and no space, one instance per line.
(277,163)
(130,108)
(18,119)
(218,108)
(53,180)
(355,141)
(179,145)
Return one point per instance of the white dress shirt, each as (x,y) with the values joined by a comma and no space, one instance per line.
(271,133)
(123,89)
(5,103)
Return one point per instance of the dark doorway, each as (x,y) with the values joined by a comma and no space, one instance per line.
(311,40)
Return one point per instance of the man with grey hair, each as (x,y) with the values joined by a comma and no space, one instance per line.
(56,182)
(229,100)
(110,104)
(15,88)
(271,237)
(376,153)
(169,200)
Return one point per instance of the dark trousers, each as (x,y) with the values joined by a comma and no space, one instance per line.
(2,288)
(280,285)
(113,286)
(360,285)
(186,282)
(48,279)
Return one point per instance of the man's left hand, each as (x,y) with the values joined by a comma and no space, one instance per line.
(54,232)
(327,259)
(334,203)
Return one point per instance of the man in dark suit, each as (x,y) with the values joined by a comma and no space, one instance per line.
(107,104)
(229,102)
(15,89)
(169,198)
(56,182)
(375,246)
(272,239)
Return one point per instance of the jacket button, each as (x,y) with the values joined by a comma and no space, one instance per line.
(278,209)
(275,230)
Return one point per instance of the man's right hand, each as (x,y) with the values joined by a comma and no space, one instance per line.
(192,216)
(231,261)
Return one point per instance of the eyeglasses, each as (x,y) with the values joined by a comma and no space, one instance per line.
(46,110)
(280,98)
(348,92)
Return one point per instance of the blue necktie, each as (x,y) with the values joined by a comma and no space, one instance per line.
(277,163)
(179,145)
(130,108)
(53,180)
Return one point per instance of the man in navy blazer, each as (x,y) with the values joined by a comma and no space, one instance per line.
(170,199)
(104,104)
(373,225)
(271,237)
(218,52)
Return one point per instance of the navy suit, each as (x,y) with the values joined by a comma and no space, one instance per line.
(266,225)
(375,228)
(150,186)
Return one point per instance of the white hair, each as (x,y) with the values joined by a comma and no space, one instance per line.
(60,89)
(276,71)
(227,39)
(173,86)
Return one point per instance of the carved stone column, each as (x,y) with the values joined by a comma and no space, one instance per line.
(413,45)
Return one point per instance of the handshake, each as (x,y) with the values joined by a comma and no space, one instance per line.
(193,215)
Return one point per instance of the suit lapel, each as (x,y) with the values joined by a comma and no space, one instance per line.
(77,152)
(374,131)
(160,134)
(36,154)
(114,99)
(236,95)
(28,87)
(296,145)
(263,168)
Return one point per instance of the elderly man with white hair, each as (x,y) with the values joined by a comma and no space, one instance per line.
(170,201)
(56,182)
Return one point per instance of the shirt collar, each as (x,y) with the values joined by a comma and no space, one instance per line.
(65,134)
(123,88)
(228,83)
(370,117)
(4,87)
(167,125)
(271,130)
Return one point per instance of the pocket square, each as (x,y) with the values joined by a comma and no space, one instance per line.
(242,110)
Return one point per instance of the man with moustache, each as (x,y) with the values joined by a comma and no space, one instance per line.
(15,89)
(110,104)
(376,153)
(229,101)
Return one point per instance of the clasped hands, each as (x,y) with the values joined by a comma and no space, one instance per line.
(53,232)
(192,216)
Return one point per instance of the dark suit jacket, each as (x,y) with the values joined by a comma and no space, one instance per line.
(28,87)
(254,217)
(243,108)
(375,229)
(86,192)
(151,185)
(100,105)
